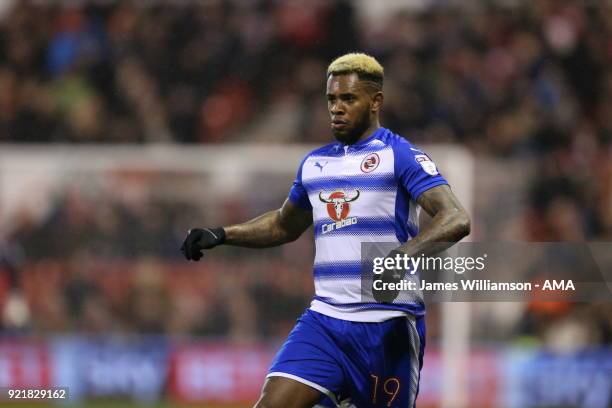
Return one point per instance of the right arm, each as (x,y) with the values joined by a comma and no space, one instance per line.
(270,229)
(273,228)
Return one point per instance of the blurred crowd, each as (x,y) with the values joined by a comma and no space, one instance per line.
(524,81)
(98,262)
(157,71)
(529,79)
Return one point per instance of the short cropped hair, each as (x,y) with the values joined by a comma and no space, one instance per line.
(365,66)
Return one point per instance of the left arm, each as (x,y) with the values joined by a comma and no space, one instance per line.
(450,222)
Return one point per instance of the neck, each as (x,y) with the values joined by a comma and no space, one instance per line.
(374,126)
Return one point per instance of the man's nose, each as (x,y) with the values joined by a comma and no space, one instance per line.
(336,109)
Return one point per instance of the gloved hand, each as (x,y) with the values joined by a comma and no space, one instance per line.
(201,238)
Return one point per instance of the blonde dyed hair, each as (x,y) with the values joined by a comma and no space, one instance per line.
(365,66)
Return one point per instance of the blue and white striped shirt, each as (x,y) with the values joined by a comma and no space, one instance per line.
(365,192)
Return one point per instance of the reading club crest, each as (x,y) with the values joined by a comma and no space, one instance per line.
(370,163)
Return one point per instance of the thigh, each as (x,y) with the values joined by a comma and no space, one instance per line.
(311,356)
(281,392)
(383,364)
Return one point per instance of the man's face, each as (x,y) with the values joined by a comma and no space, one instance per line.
(350,106)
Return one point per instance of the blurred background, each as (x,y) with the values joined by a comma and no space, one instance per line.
(123,124)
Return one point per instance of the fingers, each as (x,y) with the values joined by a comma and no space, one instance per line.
(190,247)
(201,238)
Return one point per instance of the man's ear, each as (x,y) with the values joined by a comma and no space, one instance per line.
(377,101)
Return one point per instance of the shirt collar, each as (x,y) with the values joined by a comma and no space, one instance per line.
(369,139)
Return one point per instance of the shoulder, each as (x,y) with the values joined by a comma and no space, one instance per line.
(408,158)
(411,160)
(329,150)
(395,141)
(402,147)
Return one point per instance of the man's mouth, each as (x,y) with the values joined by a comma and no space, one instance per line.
(338,124)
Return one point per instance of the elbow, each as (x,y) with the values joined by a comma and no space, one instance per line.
(463,224)
(285,236)
(290,238)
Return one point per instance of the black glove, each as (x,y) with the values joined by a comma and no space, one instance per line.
(388,276)
(201,238)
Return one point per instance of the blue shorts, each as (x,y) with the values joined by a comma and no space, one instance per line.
(371,364)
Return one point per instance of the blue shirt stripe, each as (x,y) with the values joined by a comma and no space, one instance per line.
(375,182)
(338,270)
(365,226)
